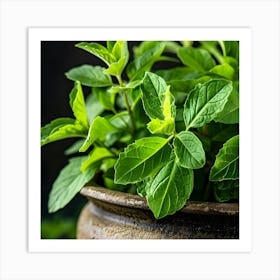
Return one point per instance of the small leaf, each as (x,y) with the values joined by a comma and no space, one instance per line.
(98,50)
(198,59)
(170,189)
(189,150)
(205,102)
(224,70)
(61,128)
(97,131)
(158,101)
(226,166)
(68,183)
(141,159)
(158,126)
(95,155)
(88,75)
(121,54)
(77,104)
(144,62)
(74,148)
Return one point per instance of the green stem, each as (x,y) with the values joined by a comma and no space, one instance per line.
(127,103)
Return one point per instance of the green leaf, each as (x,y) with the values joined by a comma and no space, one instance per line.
(97,131)
(88,75)
(226,190)
(159,104)
(78,106)
(177,73)
(157,100)
(121,54)
(232,49)
(106,98)
(74,148)
(226,166)
(198,59)
(144,62)
(189,150)
(98,50)
(161,126)
(95,155)
(61,128)
(224,70)
(69,182)
(205,102)
(93,107)
(170,189)
(141,159)
(110,45)
(230,113)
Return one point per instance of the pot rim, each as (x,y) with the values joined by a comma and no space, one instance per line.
(97,192)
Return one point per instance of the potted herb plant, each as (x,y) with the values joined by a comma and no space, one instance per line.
(157,151)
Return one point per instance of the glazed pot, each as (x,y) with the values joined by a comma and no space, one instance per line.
(116,215)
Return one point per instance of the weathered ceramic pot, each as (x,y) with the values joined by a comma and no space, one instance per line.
(116,215)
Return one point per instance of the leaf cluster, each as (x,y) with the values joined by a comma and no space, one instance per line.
(169,135)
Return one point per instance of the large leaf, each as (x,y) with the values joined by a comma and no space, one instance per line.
(98,50)
(61,128)
(141,159)
(198,59)
(78,106)
(230,113)
(223,70)
(144,62)
(205,102)
(69,182)
(226,166)
(177,73)
(88,75)
(170,189)
(189,150)
(97,131)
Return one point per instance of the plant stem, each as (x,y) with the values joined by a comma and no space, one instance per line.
(127,103)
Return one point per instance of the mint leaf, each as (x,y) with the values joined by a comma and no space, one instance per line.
(230,113)
(106,98)
(61,128)
(95,155)
(141,159)
(97,131)
(205,102)
(226,166)
(189,150)
(78,106)
(68,183)
(197,59)
(158,103)
(88,75)
(93,107)
(170,189)
(121,54)
(144,62)
(224,70)
(98,50)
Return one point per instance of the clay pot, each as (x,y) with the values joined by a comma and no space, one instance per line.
(116,215)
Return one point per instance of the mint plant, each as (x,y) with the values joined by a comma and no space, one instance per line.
(169,135)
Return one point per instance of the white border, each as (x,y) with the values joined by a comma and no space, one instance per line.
(262,16)
(243,244)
